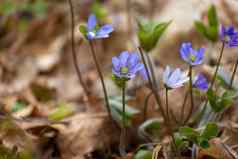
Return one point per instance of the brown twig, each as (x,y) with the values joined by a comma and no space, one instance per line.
(74,55)
(234,73)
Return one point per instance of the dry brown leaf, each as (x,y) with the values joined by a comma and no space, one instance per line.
(85,134)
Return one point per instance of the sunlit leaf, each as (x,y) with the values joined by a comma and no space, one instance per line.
(61,112)
(117,113)
(143,154)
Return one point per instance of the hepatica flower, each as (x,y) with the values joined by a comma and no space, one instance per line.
(200,82)
(93,31)
(190,55)
(229,36)
(126,66)
(174,78)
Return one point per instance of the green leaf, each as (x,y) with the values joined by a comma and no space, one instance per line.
(150,128)
(151,124)
(40,7)
(204,143)
(181,141)
(212,33)
(210,131)
(83,30)
(220,103)
(189,133)
(213,100)
(227,98)
(201,28)
(224,79)
(7,7)
(143,154)
(117,113)
(99,10)
(19,105)
(61,112)
(212,16)
(149,33)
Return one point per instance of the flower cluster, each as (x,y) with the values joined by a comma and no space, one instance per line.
(229,36)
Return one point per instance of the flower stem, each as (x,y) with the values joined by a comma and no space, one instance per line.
(152,71)
(216,71)
(146,105)
(101,78)
(191,94)
(157,97)
(183,107)
(122,147)
(218,65)
(167,103)
(168,118)
(75,61)
(233,74)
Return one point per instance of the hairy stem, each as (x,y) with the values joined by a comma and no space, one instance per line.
(168,118)
(152,71)
(101,79)
(218,65)
(167,103)
(191,94)
(233,74)
(216,71)
(146,105)
(183,108)
(157,97)
(74,55)
(122,147)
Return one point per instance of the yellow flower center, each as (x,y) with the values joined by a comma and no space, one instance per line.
(124,70)
(192,57)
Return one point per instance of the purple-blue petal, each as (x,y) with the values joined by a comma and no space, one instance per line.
(143,73)
(185,51)
(133,60)
(92,22)
(200,82)
(104,31)
(123,58)
(116,64)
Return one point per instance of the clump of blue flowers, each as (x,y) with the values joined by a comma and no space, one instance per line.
(192,56)
(93,31)
(126,66)
(229,36)
(174,78)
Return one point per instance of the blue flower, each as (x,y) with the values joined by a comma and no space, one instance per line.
(127,66)
(229,36)
(93,32)
(174,78)
(190,55)
(200,82)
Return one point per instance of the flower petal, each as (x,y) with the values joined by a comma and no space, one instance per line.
(200,82)
(185,51)
(133,60)
(166,74)
(116,64)
(124,58)
(92,22)
(104,31)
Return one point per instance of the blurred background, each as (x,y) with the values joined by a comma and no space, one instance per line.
(38,79)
